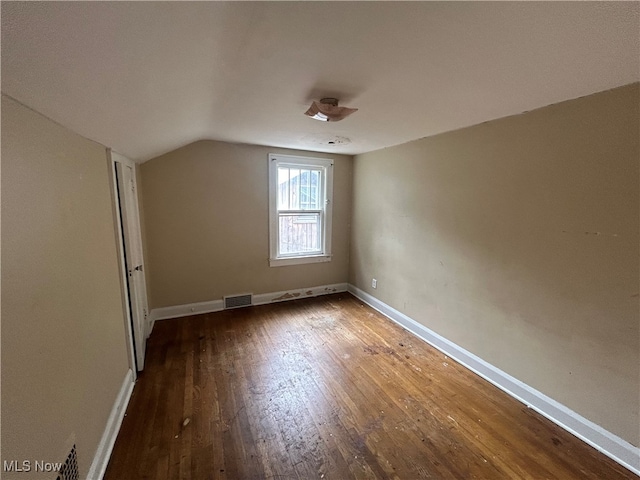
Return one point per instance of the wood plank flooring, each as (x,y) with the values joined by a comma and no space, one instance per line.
(327,388)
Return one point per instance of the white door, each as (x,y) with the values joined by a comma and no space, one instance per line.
(132,239)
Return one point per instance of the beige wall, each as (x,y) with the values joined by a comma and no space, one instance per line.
(518,240)
(63,341)
(207,223)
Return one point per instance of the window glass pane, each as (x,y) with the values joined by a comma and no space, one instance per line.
(299,189)
(304,189)
(294,188)
(283,188)
(316,190)
(309,199)
(299,234)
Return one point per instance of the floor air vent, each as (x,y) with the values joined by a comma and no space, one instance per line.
(69,469)
(236,301)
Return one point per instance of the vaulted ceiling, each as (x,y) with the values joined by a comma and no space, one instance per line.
(147,77)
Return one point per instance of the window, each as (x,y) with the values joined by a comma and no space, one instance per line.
(300,191)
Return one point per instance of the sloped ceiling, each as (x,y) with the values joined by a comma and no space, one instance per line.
(147,77)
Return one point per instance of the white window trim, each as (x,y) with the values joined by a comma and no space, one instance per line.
(327,166)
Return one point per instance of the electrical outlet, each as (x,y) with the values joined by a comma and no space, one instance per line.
(374,283)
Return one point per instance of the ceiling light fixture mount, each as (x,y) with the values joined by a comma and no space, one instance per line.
(327,110)
(325,140)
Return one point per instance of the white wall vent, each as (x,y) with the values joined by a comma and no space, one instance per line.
(236,301)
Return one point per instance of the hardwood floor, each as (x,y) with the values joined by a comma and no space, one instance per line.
(327,388)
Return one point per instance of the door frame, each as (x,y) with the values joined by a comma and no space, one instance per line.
(130,328)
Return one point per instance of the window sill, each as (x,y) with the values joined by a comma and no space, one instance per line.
(281,262)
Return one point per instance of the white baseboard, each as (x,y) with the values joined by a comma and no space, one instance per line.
(264,298)
(103,453)
(606,442)
(177,311)
(259,299)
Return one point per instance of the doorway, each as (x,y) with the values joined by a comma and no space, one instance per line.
(131,253)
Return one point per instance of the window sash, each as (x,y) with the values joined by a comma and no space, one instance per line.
(299,186)
(299,238)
